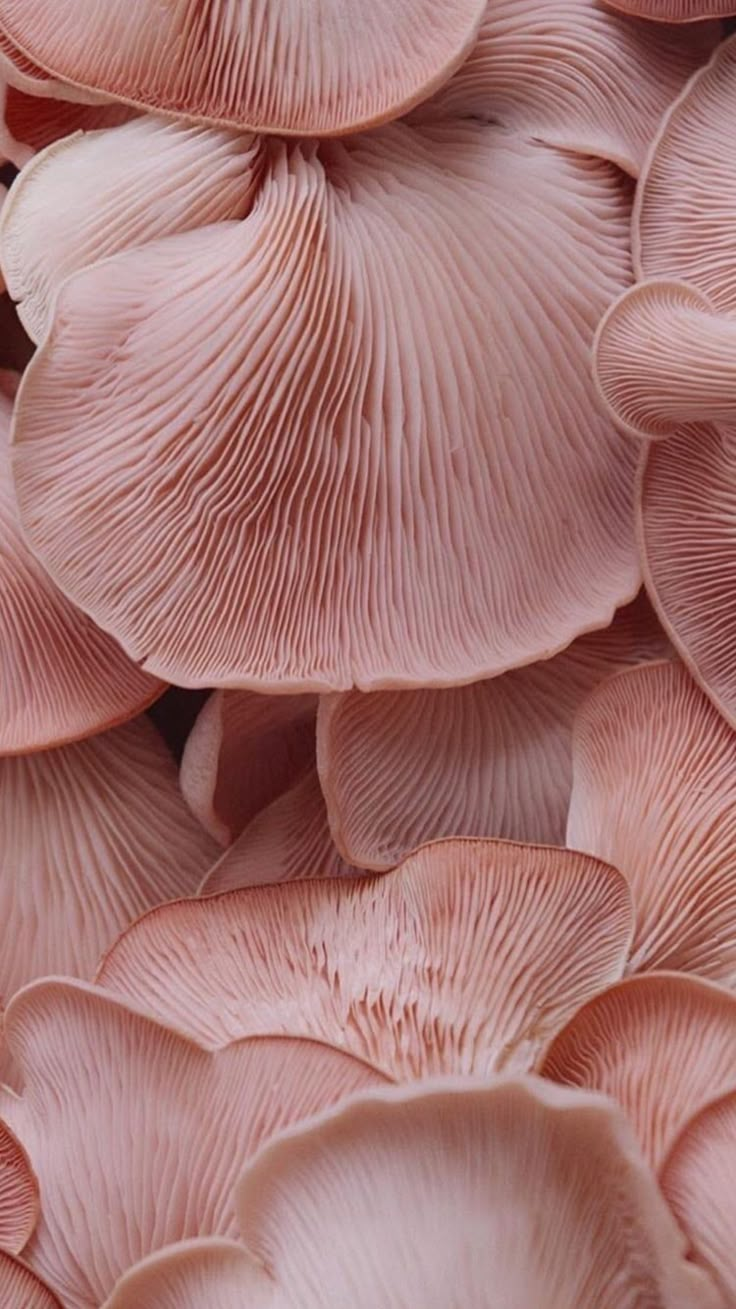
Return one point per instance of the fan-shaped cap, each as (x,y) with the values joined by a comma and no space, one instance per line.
(139,1136)
(495,503)
(112,190)
(663,1045)
(243,752)
(93,835)
(29,123)
(434,1196)
(21,1289)
(61,677)
(490,759)
(697,1180)
(287,841)
(295,66)
(654,793)
(18,1194)
(574,75)
(467,958)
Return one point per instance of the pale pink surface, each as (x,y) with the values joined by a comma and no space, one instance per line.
(28,124)
(287,841)
(393,511)
(139,1137)
(284,66)
(19,1202)
(515,1193)
(467,958)
(21,1289)
(574,75)
(93,835)
(676,11)
(243,752)
(665,361)
(112,190)
(662,1045)
(654,793)
(61,677)
(698,1183)
(490,759)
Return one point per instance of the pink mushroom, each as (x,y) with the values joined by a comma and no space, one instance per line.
(21,1289)
(19,1199)
(515,1192)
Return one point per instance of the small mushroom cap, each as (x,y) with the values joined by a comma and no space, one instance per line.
(282,66)
(139,1137)
(491,759)
(697,1181)
(517,1186)
(467,958)
(662,1045)
(654,793)
(61,677)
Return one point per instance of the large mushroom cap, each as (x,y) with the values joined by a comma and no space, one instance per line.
(466,958)
(654,793)
(284,66)
(515,1193)
(137,1134)
(60,677)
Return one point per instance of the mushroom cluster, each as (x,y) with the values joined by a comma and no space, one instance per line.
(367,654)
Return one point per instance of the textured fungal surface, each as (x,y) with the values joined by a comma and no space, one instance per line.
(460,961)
(319,66)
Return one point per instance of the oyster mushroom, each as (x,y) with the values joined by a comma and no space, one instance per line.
(446,1194)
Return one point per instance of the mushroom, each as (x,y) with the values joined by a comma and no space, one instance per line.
(137,1135)
(697,1181)
(654,793)
(19,1200)
(666,366)
(116,189)
(93,834)
(465,959)
(61,677)
(290,66)
(675,11)
(515,1193)
(491,759)
(662,1045)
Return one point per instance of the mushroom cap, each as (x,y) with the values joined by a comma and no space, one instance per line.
(697,1181)
(675,11)
(113,190)
(61,677)
(248,385)
(139,1137)
(654,793)
(30,123)
(491,759)
(283,66)
(430,1196)
(93,834)
(465,959)
(21,1289)
(242,753)
(662,1045)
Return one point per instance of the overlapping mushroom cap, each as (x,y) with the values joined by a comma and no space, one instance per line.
(490,759)
(403,1199)
(396,507)
(654,793)
(93,834)
(466,958)
(61,678)
(675,11)
(21,1289)
(666,364)
(315,66)
(137,1134)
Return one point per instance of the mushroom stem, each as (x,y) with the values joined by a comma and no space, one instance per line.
(664,357)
